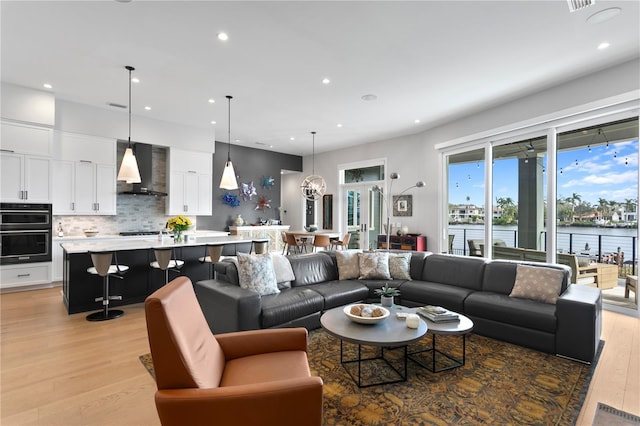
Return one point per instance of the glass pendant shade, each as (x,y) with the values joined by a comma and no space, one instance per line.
(129,171)
(229,180)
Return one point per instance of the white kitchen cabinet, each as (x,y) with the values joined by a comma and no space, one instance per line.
(84,188)
(25,178)
(26,139)
(25,274)
(189,183)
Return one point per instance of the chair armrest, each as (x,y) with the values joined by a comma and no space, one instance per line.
(579,315)
(254,342)
(228,307)
(287,402)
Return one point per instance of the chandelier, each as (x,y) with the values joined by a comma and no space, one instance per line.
(313,186)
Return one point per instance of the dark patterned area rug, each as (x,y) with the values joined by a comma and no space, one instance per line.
(500,383)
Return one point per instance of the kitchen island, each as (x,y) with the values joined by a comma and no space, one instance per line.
(80,289)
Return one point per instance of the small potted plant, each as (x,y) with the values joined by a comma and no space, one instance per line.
(387,294)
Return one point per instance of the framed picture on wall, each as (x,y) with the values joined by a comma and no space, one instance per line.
(403,205)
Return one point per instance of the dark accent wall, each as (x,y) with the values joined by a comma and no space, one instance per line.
(251,165)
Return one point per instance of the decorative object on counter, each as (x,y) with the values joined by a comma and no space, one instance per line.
(129,171)
(238,221)
(263,203)
(376,188)
(387,294)
(230,199)
(268,182)
(90,232)
(313,186)
(178,224)
(247,191)
(229,180)
(60,230)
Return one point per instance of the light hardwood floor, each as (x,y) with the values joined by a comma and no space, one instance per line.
(60,369)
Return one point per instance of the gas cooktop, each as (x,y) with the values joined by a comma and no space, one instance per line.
(134,233)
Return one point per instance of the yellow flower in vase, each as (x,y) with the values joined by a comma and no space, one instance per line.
(178,224)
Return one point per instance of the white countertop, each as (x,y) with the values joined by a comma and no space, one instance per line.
(145,243)
(198,233)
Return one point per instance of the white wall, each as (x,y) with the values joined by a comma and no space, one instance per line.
(292,203)
(40,107)
(416,158)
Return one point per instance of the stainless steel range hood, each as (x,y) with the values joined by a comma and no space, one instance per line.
(143,153)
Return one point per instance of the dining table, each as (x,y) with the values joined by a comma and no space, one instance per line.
(307,237)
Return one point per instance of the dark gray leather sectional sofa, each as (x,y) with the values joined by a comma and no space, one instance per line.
(474,286)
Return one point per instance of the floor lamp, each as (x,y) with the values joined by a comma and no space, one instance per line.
(386,199)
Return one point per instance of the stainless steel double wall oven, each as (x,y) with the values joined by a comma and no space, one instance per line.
(25,230)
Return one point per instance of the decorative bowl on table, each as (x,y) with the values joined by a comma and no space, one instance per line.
(363,313)
(311,228)
(90,232)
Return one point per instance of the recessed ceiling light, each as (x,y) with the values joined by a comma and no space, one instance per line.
(603,45)
(212,101)
(237,140)
(135,80)
(369,97)
(148,108)
(416,121)
(47,86)
(339,125)
(292,138)
(326,81)
(270,146)
(223,36)
(213,122)
(603,15)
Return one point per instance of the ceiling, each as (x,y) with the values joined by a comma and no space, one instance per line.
(433,61)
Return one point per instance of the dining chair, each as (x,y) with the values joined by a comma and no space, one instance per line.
(344,243)
(322,241)
(293,243)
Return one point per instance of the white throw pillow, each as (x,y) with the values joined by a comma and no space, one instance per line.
(348,264)
(400,266)
(537,283)
(374,265)
(284,272)
(256,273)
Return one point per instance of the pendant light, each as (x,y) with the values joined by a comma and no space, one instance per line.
(228,180)
(313,186)
(129,171)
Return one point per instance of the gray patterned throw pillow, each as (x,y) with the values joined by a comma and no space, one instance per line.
(256,273)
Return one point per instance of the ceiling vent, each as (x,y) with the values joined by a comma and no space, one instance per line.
(579,4)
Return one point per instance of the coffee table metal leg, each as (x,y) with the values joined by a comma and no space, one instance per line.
(359,360)
(434,352)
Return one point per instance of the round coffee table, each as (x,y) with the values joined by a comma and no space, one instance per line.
(461,327)
(392,333)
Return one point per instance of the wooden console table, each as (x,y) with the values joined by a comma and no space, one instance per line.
(403,242)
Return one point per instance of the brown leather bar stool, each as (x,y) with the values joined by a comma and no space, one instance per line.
(165,261)
(102,266)
(212,255)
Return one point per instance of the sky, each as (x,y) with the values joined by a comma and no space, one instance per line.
(610,173)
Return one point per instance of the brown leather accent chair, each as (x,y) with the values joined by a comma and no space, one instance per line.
(257,377)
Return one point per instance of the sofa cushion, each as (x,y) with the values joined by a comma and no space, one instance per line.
(499,276)
(348,264)
(539,284)
(256,273)
(400,266)
(418,293)
(312,268)
(509,310)
(374,265)
(284,273)
(290,304)
(340,293)
(460,271)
